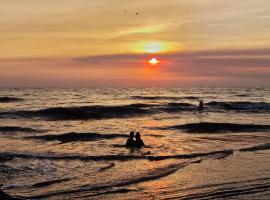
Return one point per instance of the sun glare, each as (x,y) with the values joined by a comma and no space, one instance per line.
(153,61)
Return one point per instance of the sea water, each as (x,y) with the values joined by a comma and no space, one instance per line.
(61,143)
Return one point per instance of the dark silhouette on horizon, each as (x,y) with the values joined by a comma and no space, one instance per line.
(138,142)
(130,141)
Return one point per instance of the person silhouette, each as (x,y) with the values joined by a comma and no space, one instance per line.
(130,141)
(201,105)
(138,142)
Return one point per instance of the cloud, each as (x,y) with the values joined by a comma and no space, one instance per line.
(230,63)
(229,57)
(146,29)
(215,67)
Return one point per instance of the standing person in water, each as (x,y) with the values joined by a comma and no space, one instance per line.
(130,141)
(139,142)
(201,105)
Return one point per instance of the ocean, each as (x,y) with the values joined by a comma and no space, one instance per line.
(59,143)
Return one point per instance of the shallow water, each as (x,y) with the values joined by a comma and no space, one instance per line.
(69,143)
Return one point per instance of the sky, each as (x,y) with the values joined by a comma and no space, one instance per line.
(89,43)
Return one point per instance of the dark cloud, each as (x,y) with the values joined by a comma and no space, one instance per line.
(220,58)
(215,55)
(229,64)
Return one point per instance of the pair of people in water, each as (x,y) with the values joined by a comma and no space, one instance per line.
(131,143)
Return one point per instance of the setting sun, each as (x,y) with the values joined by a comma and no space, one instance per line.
(154,61)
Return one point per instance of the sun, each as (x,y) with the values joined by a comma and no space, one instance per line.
(153,61)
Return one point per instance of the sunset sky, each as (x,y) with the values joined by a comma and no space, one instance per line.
(109,43)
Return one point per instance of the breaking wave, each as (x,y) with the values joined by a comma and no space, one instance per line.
(97,112)
(84,113)
(208,127)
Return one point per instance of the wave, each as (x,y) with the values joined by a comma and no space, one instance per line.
(175,107)
(112,191)
(73,137)
(165,98)
(242,95)
(226,152)
(111,165)
(84,112)
(18,129)
(240,106)
(119,157)
(5,169)
(98,112)
(150,175)
(244,189)
(9,99)
(208,127)
(6,157)
(3,195)
(257,147)
(50,182)
(10,155)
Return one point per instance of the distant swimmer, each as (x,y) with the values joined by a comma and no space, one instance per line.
(130,141)
(201,105)
(139,142)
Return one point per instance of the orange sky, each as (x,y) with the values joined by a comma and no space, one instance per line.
(105,43)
